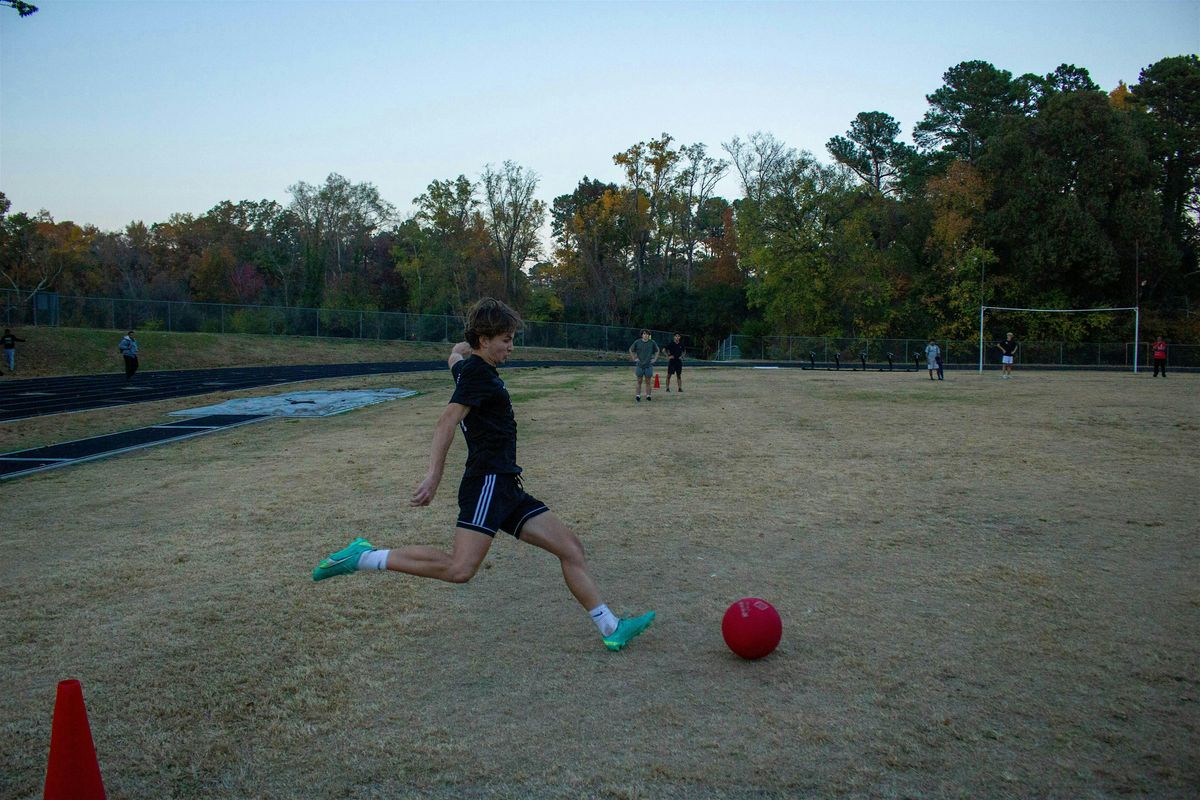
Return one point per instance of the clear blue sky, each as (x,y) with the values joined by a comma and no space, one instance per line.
(120,111)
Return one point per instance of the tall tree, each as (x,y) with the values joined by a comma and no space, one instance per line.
(1169,90)
(513,217)
(335,223)
(1079,170)
(447,260)
(592,230)
(760,161)
(871,151)
(694,186)
(969,108)
(649,171)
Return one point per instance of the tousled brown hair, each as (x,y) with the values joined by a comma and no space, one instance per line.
(490,317)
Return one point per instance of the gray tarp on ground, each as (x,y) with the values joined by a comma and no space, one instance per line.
(301,404)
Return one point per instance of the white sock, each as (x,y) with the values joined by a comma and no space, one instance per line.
(373,559)
(605,620)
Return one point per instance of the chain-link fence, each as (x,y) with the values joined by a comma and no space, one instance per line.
(109,313)
(826,350)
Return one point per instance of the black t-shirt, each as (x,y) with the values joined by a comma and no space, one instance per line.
(1008,348)
(675,350)
(9,341)
(491,428)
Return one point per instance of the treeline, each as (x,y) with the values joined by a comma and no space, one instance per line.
(1039,191)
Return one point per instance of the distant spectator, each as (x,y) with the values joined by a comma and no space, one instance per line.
(675,362)
(10,349)
(643,352)
(129,351)
(933,359)
(1159,349)
(1008,354)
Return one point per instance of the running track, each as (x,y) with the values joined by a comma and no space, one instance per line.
(35,397)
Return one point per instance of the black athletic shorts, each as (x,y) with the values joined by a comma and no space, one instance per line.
(675,366)
(487,503)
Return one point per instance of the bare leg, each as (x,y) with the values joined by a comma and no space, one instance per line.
(549,533)
(429,562)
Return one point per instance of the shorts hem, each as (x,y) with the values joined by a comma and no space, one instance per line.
(473,527)
(535,512)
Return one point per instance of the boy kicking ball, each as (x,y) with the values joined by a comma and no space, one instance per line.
(490,496)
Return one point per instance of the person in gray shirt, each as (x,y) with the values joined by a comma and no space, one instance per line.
(933,359)
(644,352)
(129,352)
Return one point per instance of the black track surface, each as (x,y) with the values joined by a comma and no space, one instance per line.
(24,462)
(20,399)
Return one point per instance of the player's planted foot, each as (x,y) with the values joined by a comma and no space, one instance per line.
(343,562)
(638,398)
(627,629)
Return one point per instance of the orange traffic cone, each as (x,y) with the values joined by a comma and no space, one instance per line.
(656,380)
(73,772)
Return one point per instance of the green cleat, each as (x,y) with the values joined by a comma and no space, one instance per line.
(627,629)
(343,562)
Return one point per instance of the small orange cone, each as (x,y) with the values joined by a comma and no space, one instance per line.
(656,380)
(73,772)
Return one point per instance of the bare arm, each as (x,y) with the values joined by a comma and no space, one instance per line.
(443,436)
(460,351)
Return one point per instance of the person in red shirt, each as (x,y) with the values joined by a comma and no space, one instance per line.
(1159,350)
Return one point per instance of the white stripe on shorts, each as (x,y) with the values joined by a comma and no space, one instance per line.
(485,500)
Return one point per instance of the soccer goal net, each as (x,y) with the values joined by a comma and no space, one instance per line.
(983,311)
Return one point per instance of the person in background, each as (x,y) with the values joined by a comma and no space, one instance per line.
(1008,354)
(675,362)
(9,341)
(129,351)
(1159,350)
(933,358)
(644,352)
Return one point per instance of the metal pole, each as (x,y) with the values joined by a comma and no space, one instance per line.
(981,340)
(1137,314)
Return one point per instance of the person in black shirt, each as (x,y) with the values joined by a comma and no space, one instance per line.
(1008,352)
(9,341)
(675,363)
(491,496)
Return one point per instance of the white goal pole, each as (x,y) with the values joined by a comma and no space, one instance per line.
(1136,319)
(981,339)
(1137,314)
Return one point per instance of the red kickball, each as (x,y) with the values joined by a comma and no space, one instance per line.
(752,628)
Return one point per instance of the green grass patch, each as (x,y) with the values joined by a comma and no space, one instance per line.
(88,351)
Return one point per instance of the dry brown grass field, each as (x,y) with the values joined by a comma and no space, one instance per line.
(989,588)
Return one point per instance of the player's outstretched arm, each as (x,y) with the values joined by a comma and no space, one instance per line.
(443,436)
(460,351)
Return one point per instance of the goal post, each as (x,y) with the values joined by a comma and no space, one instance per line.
(1134,309)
